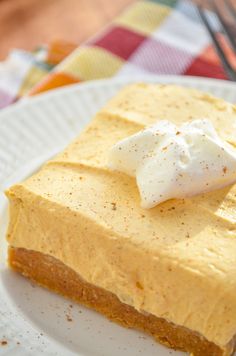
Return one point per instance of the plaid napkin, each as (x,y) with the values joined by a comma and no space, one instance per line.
(149,37)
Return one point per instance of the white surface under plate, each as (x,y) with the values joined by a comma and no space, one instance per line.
(34,321)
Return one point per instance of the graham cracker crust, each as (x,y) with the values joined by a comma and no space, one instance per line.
(53,274)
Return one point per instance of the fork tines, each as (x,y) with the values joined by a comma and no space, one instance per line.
(230,34)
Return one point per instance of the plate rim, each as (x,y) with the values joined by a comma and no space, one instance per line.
(175,79)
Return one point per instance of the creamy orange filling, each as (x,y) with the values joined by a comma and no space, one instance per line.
(177,260)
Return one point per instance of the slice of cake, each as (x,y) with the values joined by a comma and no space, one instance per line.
(77,227)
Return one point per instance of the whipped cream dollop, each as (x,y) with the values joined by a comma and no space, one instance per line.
(175,162)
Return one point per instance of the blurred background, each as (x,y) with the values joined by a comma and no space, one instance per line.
(111,38)
(28,23)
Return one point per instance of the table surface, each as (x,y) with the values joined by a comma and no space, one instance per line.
(27,23)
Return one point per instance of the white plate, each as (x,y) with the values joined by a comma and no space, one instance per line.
(34,321)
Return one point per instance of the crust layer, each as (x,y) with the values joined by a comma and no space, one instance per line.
(53,274)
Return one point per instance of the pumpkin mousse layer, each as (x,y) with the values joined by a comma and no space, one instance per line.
(176,261)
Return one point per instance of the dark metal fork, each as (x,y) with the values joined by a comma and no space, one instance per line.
(227,29)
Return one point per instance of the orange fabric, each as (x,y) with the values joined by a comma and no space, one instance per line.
(211,55)
(54,80)
(58,50)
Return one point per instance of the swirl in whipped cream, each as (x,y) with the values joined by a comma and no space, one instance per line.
(175,162)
